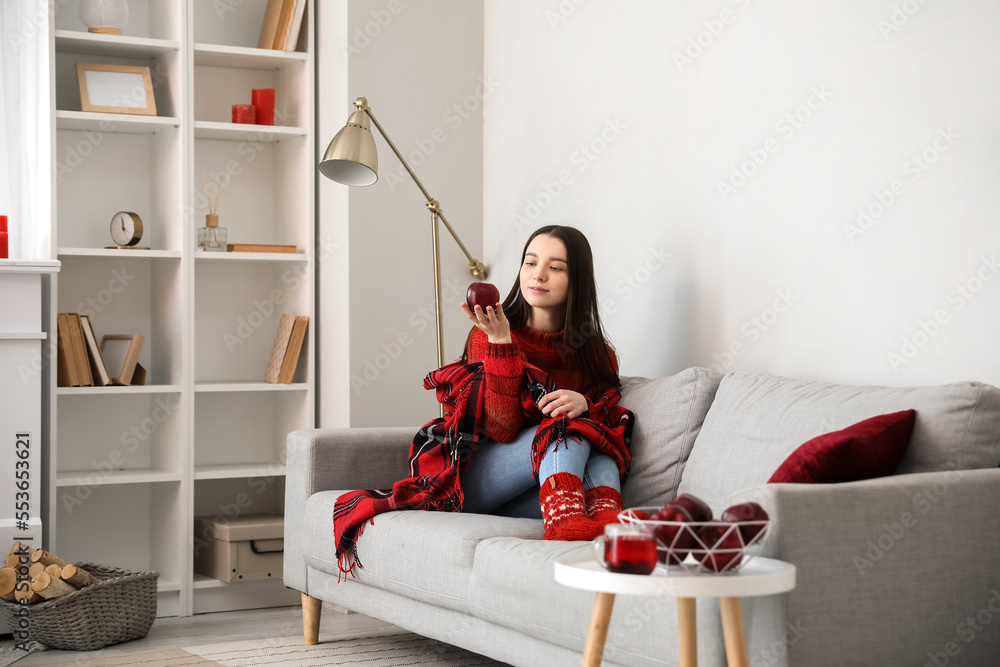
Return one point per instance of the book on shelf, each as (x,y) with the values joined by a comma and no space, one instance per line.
(294,349)
(282,24)
(293,32)
(286,349)
(261,247)
(80,351)
(270,25)
(98,369)
(66,368)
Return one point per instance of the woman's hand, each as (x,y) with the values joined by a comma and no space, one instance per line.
(492,322)
(563,402)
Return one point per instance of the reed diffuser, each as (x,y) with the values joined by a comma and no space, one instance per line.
(211,237)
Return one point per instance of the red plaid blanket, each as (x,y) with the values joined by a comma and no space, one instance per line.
(442,449)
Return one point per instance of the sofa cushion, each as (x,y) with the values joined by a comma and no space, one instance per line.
(871,448)
(426,556)
(756,421)
(669,412)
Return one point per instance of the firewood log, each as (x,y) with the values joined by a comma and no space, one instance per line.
(31,596)
(20,547)
(12,560)
(45,558)
(49,587)
(77,576)
(35,569)
(54,570)
(8,578)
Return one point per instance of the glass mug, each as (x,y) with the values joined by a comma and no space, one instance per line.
(625,549)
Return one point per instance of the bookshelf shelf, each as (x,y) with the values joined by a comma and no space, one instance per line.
(204,129)
(86,43)
(216,55)
(205,428)
(113,122)
(235,387)
(271,469)
(141,476)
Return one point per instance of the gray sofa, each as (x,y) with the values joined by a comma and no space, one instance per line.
(903,570)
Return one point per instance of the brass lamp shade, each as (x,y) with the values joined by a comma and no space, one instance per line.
(351,158)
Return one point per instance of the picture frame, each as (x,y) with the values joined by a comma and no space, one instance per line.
(106,88)
(121,355)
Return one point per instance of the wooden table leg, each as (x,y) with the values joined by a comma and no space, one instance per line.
(600,619)
(687,631)
(312,609)
(732,630)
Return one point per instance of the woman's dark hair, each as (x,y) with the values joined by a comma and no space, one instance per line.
(583,344)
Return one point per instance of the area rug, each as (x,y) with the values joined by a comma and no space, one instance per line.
(397,649)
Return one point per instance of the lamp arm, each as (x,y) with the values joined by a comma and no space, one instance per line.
(476,268)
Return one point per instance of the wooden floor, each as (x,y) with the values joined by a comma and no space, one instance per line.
(216,628)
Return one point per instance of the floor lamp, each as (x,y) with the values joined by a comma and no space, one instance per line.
(351,159)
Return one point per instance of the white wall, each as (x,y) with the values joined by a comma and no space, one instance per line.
(414,61)
(598,94)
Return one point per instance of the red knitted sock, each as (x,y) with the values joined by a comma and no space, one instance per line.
(604,503)
(564,511)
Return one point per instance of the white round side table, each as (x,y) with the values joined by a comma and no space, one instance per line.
(758,576)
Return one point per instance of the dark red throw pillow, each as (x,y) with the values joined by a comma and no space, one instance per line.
(868,449)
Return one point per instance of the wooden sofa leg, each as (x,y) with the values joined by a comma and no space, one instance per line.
(311,611)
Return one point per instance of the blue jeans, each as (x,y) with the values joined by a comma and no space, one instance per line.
(499,479)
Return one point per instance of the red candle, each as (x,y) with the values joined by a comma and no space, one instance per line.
(244,113)
(3,237)
(263,102)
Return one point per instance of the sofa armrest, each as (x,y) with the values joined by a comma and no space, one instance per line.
(336,459)
(902,565)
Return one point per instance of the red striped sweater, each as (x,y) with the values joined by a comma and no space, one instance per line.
(503,366)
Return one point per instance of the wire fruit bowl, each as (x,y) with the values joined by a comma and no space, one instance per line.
(685,545)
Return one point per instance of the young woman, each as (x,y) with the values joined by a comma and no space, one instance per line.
(549,320)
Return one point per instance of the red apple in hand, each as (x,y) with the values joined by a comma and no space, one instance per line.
(482,295)
(718,537)
(678,538)
(746,512)
(695,506)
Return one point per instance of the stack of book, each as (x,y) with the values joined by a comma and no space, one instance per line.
(81,360)
(286,349)
(282,22)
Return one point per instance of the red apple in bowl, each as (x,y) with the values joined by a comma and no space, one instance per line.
(695,506)
(482,295)
(724,548)
(678,538)
(746,512)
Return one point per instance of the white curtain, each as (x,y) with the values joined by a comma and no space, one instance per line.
(25,127)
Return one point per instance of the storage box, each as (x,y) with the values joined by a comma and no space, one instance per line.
(246,548)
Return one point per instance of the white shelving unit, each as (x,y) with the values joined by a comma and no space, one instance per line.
(130,467)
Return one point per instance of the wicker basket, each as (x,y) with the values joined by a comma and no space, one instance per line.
(119,608)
